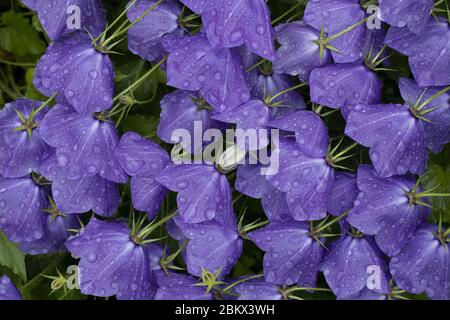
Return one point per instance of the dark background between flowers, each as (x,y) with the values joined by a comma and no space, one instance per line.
(22,42)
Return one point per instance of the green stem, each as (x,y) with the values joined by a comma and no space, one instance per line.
(242,281)
(18,64)
(140,80)
(298,4)
(332,222)
(122,31)
(346,30)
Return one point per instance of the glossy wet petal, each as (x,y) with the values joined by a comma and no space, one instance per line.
(57,16)
(291,256)
(395,137)
(237,22)
(73,68)
(85,146)
(144,38)
(217,74)
(298,54)
(19,154)
(382,209)
(203,192)
(110,263)
(424,265)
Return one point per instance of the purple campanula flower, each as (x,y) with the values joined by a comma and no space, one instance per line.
(143,160)
(56,232)
(258,290)
(175,286)
(236,22)
(217,74)
(428,52)
(75,69)
(291,254)
(413,14)
(398,136)
(394,135)
(8,290)
(424,264)
(344,193)
(22,202)
(179,110)
(347,263)
(111,263)
(203,192)
(438,127)
(80,194)
(213,245)
(21,147)
(345,85)
(85,144)
(299,54)
(305,171)
(264,83)
(144,38)
(335,16)
(386,208)
(56,16)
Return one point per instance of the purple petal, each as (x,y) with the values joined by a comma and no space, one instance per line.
(73,68)
(271,85)
(179,287)
(8,290)
(436,131)
(110,263)
(19,154)
(307,181)
(55,16)
(411,13)
(298,54)
(423,265)
(249,118)
(345,191)
(21,205)
(203,193)
(291,255)
(56,232)
(394,135)
(84,145)
(144,38)
(429,52)
(236,22)
(335,16)
(147,195)
(311,133)
(250,182)
(258,290)
(140,157)
(275,205)
(81,194)
(180,111)
(346,266)
(217,73)
(212,247)
(382,209)
(345,85)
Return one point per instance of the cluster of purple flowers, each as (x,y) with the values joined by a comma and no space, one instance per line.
(368,232)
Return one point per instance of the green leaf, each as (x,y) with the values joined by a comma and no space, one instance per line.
(439,176)
(144,125)
(18,35)
(12,258)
